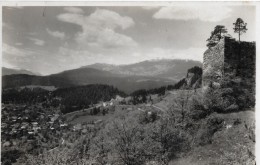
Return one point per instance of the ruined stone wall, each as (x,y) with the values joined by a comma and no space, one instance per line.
(239,59)
(230,67)
(213,64)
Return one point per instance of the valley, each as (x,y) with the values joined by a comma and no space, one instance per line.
(45,118)
(42,127)
(128,83)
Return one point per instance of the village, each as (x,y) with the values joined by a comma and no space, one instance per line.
(23,125)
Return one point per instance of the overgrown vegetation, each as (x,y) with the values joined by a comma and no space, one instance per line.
(125,140)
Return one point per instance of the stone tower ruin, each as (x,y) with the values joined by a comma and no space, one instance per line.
(229,59)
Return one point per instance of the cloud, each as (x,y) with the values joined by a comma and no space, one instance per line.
(8,49)
(101,17)
(99,40)
(64,51)
(203,13)
(56,34)
(7,26)
(15,7)
(19,44)
(110,19)
(192,53)
(37,41)
(73,58)
(105,38)
(8,65)
(150,7)
(32,33)
(74,10)
(98,29)
(26,58)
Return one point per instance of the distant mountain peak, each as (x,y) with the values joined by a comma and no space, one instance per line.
(10,71)
(173,69)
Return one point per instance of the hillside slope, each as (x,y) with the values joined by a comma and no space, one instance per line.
(216,138)
(234,143)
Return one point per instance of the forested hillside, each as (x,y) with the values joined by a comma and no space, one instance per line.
(76,98)
(70,99)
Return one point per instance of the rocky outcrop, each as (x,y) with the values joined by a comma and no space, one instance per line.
(193,79)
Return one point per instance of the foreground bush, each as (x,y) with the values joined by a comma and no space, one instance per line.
(220,100)
(167,140)
(208,129)
(197,109)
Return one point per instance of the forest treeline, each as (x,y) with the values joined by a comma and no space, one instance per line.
(76,98)
(69,99)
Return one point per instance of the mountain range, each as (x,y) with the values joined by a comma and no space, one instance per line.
(169,69)
(9,71)
(128,78)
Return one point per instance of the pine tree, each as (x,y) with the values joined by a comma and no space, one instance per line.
(216,35)
(219,31)
(240,27)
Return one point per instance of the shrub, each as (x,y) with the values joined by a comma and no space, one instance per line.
(197,110)
(100,148)
(198,114)
(9,157)
(218,100)
(126,138)
(60,156)
(243,90)
(208,129)
(167,140)
(147,117)
(245,98)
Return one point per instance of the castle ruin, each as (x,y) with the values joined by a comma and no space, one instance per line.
(229,59)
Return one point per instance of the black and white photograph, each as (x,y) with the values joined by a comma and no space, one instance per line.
(129,83)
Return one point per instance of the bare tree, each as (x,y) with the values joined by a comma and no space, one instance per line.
(166,140)
(181,102)
(127,139)
(100,148)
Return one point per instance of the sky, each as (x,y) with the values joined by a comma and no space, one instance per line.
(52,39)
